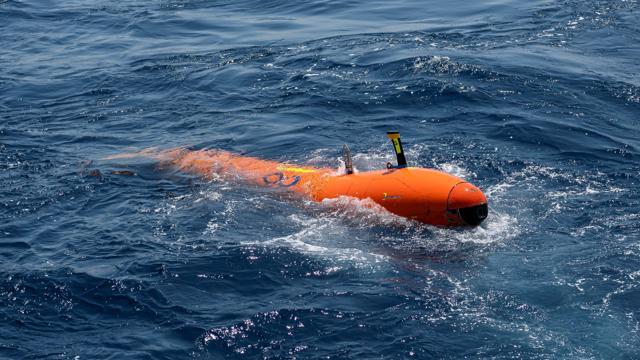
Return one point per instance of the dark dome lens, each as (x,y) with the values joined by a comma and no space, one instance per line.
(474,215)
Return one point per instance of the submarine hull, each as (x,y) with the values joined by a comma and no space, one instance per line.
(425,195)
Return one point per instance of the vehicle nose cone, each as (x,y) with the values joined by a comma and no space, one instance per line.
(469,203)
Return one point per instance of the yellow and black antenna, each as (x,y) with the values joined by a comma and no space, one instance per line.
(394,136)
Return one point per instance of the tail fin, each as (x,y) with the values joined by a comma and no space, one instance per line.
(154,153)
(151,152)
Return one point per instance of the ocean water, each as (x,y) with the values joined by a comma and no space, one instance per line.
(536,102)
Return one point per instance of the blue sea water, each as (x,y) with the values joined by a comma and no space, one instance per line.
(536,102)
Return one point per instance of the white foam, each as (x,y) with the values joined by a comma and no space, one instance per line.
(457,170)
(314,237)
(366,211)
(364,235)
(497,228)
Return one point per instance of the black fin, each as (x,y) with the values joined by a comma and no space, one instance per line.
(346,156)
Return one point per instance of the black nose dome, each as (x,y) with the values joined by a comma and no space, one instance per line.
(474,215)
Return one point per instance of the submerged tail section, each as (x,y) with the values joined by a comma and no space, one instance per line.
(235,167)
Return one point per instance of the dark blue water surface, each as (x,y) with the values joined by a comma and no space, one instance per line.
(536,102)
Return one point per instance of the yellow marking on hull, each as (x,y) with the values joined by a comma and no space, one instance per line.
(296,169)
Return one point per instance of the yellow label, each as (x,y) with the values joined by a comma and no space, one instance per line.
(296,169)
(396,145)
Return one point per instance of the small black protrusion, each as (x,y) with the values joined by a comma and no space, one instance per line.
(348,163)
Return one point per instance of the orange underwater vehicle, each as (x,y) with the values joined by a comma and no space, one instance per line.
(425,195)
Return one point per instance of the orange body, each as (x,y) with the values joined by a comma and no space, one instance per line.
(425,195)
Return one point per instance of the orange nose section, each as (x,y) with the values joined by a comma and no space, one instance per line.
(465,195)
(468,203)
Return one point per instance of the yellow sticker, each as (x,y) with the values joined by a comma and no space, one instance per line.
(296,169)
(396,144)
